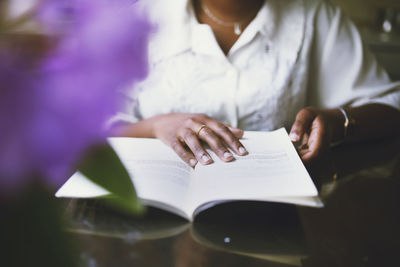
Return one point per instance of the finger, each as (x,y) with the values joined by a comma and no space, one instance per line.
(186,155)
(317,141)
(302,124)
(236,131)
(302,148)
(193,142)
(216,144)
(230,138)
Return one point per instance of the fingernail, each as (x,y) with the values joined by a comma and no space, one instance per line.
(228,155)
(205,159)
(192,162)
(242,150)
(294,137)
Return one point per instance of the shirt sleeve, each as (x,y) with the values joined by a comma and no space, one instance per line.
(128,111)
(342,70)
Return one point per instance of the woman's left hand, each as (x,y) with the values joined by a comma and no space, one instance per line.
(312,133)
(315,129)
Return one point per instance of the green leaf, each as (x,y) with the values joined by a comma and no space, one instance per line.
(103,167)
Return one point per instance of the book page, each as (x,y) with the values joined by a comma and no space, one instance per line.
(159,175)
(272,171)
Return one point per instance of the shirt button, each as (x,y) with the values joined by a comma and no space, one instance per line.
(267,48)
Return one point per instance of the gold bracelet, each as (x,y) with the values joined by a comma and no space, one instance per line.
(348,123)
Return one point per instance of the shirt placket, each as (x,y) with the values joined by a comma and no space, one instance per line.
(232,83)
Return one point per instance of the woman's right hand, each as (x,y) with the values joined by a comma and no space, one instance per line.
(188,133)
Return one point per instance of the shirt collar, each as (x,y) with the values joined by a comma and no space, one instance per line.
(171,34)
(203,40)
(257,26)
(177,29)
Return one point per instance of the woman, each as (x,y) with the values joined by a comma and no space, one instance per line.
(220,66)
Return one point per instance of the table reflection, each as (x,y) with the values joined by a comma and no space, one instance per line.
(357,227)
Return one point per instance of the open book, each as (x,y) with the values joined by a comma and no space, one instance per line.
(272,171)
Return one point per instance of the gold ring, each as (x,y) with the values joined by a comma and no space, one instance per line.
(201,128)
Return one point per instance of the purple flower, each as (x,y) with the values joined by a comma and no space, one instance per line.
(53,110)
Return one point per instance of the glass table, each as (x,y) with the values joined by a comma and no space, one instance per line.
(359,225)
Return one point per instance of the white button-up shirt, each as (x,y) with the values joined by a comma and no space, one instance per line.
(294,53)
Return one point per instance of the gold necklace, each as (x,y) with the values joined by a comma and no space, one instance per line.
(237,26)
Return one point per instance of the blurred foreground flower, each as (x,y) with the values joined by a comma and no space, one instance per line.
(59,86)
(62,66)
